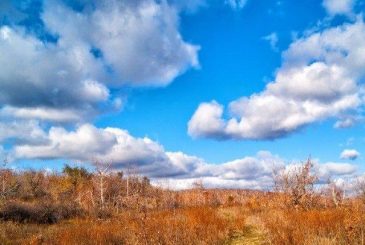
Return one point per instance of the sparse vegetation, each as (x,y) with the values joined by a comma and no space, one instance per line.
(82,207)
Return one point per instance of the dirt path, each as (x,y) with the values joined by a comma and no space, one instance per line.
(252,234)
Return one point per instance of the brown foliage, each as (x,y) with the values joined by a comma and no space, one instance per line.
(79,207)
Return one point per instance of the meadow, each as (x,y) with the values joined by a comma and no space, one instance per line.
(81,207)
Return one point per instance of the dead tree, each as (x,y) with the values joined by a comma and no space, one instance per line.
(297,183)
(9,185)
(102,171)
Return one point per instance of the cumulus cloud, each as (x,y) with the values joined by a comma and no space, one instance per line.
(138,40)
(122,151)
(207,120)
(351,154)
(29,132)
(117,147)
(333,169)
(321,77)
(334,7)
(106,44)
(57,78)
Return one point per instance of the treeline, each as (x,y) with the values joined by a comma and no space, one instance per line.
(108,207)
(31,195)
(45,197)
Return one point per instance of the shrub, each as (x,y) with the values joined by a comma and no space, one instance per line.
(42,213)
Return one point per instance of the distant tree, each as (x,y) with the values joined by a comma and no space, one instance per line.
(78,178)
(9,184)
(33,185)
(360,188)
(102,171)
(198,184)
(76,173)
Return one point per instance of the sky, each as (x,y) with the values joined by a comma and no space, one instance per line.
(220,91)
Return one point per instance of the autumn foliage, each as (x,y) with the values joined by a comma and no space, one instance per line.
(77,206)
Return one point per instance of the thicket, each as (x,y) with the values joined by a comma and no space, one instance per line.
(77,206)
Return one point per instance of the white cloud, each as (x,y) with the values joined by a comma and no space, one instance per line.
(29,132)
(207,120)
(236,4)
(345,123)
(81,144)
(147,157)
(117,147)
(139,40)
(351,154)
(321,77)
(138,43)
(332,169)
(273,39)
(49,114)
(57,78)
(334,7)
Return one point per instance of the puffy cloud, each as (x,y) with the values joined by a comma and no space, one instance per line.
(321,77)
(81,144)
(138,40)
(177,170)
(207,121)
(351,154)
(43,113)
(334,7)
(331,169)
(29,132)
(106,44)
(123,151)
(111,145)
(57,78)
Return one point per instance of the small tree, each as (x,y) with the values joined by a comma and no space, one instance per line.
(102,171)
(297,183)
(9,184)
(77,179)
(334,193)
(360,188)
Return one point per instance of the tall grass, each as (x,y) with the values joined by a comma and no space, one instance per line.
(70,208)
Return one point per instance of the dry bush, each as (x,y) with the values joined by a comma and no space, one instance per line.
(112,208)
(329,226)
(297,184)
(360,188)
(181,226)
(41,213)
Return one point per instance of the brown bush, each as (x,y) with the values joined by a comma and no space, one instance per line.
(112,208)
(41,213)
(330,226)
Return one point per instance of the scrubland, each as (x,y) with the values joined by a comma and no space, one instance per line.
(102,207)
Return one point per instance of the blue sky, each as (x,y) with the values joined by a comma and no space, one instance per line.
(184,90)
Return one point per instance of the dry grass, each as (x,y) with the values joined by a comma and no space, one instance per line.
(200,225)
(68,209)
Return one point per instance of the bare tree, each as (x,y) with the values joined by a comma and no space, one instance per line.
(9,185)
(336,193)
(297,183)
(360,188)
(102,171)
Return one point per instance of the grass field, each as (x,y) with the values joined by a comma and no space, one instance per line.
(78,207)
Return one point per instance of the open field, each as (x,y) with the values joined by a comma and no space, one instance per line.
(79,207)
